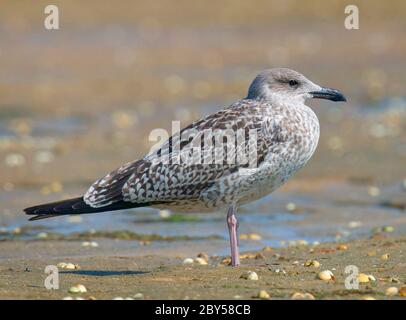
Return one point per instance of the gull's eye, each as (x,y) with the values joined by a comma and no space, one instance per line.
(293,83)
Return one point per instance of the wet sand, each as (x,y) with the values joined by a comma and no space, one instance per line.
(160,274)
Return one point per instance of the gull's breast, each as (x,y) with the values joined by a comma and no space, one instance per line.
(296,140)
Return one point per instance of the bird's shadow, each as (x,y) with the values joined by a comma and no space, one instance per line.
(104,273)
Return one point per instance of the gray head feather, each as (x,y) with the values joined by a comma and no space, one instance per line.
(280,83)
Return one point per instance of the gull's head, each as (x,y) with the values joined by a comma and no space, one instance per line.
(289,86)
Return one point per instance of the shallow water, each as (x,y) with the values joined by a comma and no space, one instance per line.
(339,212)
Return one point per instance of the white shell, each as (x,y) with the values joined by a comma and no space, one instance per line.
(392,291)
(326,275)
(201,261)
(188,261)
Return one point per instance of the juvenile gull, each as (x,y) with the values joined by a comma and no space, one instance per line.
(286,132)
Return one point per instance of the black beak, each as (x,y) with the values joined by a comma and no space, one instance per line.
(329,94)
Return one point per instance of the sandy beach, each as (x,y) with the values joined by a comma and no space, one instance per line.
(79,102)
(160,273)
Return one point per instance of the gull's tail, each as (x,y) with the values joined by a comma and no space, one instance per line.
(75,206)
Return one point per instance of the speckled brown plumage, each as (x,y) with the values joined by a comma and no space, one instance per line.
(286,133)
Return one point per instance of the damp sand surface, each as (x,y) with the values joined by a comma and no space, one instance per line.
(159,273)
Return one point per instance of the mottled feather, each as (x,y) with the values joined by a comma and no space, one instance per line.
(197,185)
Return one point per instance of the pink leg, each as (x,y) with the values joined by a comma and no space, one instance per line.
(232,224)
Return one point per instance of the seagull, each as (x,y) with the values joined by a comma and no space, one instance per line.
(272,122)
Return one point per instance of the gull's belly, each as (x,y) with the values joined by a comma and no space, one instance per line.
(268,180)
(247,186)
(240,188)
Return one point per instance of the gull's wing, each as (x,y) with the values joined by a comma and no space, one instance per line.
(158,179)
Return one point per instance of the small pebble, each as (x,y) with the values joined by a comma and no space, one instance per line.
(79,288)
(309,296)
(67,298)
(297,296)
(291,207)
(367,298)
(371,277)
(14,160)
(201,261)
(393,280)
(250,275)
(164,214)
(392,291)
(326,275)
(82,288)
(280,271)
(254,236)
(312,263)
(93,244)
(402,291)
(363,278)
(70,266)
(388,229)
(139,296)
(263,295)
(250,236)
(118,298)
(354,224)
(374,191)
(188,261)
(16,230)
(302,296)
(342,247)
(259,255)
(385,256)
(42,235)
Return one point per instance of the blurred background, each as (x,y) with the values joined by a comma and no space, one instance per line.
(78,102)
